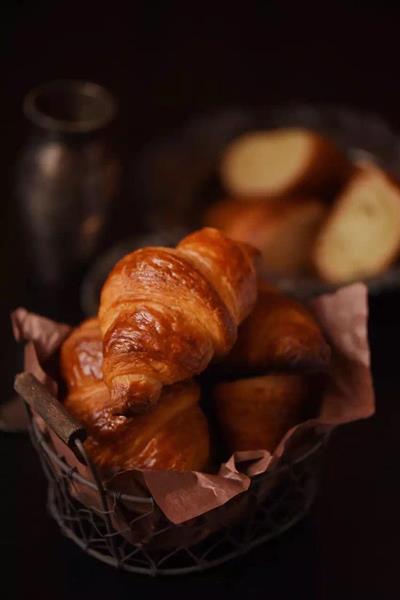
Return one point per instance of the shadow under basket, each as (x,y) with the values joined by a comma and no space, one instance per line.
(150,544)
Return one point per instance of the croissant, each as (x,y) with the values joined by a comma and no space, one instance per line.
(81,364)
(255,413)
(280,333)
(271,164)
(283,231)
(174,436)
(81,356)
(165,313)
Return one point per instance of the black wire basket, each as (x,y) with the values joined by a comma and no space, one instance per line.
(149,543)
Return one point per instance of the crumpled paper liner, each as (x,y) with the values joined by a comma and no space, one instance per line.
(182,497)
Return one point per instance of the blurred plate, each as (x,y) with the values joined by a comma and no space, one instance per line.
(176,178)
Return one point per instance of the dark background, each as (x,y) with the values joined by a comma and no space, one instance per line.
(166,64)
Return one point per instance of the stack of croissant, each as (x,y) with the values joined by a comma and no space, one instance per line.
(170,319)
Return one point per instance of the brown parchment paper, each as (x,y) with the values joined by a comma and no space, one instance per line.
(348,396)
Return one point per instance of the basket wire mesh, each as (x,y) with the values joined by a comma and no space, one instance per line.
(275,501)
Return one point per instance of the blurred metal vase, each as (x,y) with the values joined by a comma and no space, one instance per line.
(67,176)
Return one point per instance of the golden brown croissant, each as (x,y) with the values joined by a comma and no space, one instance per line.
(255,413)
(81,363)
(165,313)
(280,333)
(174,436)
(81,358)
(283,231)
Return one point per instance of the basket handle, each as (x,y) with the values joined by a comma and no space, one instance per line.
(41,401)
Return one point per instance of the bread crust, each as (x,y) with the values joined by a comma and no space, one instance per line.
(165,313)
(280,333)
(255,413)
(311,164)
(283,231)
(361,235)
(174,436)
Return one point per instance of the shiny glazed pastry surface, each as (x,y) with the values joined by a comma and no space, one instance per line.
(174,436)
(280,333)
(273,371)
(165,313)
(82,355)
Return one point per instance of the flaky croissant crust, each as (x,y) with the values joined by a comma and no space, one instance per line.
(165,313)
(81,357)
(273,373)
(173,436)
(280,333)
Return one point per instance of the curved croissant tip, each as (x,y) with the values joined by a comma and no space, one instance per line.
(130,397)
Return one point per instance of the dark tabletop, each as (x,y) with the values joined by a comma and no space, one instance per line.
(166,65)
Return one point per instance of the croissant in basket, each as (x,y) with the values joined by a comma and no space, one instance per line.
(174,436)
(255,413)
(259,406)
(166,313)
(280,333)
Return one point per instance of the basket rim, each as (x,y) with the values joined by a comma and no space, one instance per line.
(72,472)
(168,572)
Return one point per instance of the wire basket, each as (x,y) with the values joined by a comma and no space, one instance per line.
(150,544)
